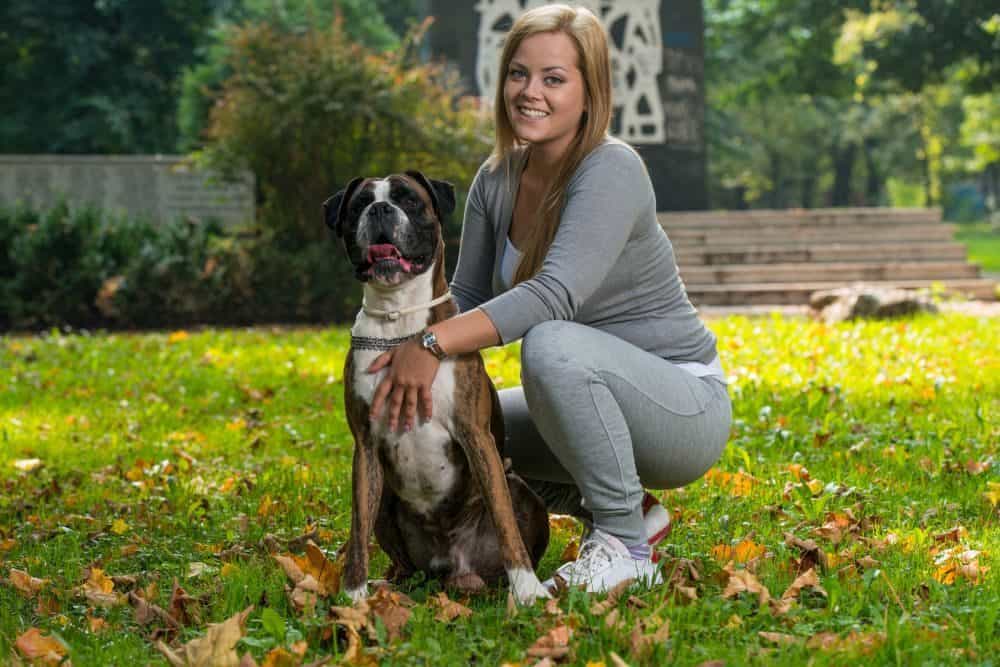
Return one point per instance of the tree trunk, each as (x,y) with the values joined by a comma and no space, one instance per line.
(843,165)
(873,182)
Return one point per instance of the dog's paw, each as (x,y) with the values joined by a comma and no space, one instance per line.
(357,595)
(526,587)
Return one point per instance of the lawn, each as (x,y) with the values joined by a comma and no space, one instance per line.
(150,480)
(983,243)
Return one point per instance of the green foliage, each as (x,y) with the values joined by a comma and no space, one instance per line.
(308,112)
(159,450)
(377,25)
(99,76)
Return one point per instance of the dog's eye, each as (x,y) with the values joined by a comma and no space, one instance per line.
(411,203)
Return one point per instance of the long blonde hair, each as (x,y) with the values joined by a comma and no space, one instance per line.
(591,42)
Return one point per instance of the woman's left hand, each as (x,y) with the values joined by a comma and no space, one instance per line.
(406,384)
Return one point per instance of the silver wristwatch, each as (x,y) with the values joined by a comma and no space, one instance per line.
(430,342)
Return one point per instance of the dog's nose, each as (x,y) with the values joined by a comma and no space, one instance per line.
(380,210)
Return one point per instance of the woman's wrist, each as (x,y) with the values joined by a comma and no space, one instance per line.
(429,341)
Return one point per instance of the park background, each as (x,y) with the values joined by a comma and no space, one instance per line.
(159,475)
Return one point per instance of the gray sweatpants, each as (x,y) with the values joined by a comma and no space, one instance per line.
(597,419)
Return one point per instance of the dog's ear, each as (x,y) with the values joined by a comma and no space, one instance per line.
(335,208)
(442,193)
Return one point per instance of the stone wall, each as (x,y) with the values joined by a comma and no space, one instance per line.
(157,187)
(657,53)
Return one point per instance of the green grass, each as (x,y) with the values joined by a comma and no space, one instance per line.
(983,243)
(161,451)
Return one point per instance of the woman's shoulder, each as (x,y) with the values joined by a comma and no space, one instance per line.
(613,157)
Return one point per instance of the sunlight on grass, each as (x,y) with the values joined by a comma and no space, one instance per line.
(175,455)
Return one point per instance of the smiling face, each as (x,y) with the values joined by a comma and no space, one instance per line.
(544,92)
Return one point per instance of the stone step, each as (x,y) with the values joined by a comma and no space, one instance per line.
(796,217)
(842,272)
(788,294)
(713,255)
(798,235)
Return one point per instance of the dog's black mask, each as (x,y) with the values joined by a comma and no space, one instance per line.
(390,226)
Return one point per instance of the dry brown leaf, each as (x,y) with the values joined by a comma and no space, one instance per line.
(601,608)
(742,581)
(959,562)
(146,612)
(325,573)
(563,522)
(643,644)
(807,579)
(680,576)
(552,607)
(216,649)
(448,609)
(812,555)
(858,642)
(355,654)
(26,584)
(780,639)
(952,535)
(393,609)
(43,649)
(553,644)
(184,608)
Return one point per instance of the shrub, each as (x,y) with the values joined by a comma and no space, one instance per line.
(306,112)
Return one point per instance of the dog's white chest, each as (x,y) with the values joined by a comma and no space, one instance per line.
(421,461)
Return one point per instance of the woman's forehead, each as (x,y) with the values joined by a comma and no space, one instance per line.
(547,49)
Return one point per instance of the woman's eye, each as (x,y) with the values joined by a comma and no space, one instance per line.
(516,74)
(553,80)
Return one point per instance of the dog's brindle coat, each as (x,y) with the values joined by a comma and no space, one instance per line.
(437,497)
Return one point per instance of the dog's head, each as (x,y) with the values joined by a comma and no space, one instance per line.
(391,227)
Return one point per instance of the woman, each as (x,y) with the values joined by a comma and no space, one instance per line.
(622,386)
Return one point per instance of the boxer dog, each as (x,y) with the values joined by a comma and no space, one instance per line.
(438,497)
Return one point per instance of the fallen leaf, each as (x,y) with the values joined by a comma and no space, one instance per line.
(99,589)
(812,555)
(28,465)
(217,648)
(742,581)
(147,612)
(448,609)
(97,624)
(807,579)
(324,572)
(37,647)
(616,660)
(642,642)
(611,601)
(279,657)
(392,608)
(184,608)
(553,644)
(571,551)
(26,584)
(743,552)
(865,643)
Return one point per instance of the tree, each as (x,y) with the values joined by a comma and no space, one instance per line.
(96,76)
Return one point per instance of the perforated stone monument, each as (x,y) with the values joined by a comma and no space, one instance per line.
(657,77)
(158,187)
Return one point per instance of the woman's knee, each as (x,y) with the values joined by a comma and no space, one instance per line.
(547,352)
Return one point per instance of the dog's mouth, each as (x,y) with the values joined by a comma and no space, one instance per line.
(385,261)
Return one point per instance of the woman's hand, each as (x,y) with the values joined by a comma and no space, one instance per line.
(406,384)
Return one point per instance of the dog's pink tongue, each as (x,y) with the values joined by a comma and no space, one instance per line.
(382,251)
(387,251)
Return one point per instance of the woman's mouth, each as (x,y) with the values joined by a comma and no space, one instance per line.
(532,114)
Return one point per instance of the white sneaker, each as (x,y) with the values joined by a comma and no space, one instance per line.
(603,563)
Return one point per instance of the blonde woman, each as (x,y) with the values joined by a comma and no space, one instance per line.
(622,387)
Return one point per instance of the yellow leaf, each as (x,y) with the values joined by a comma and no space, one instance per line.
(734,622)
(119,527)
(993,494)
(229,569)
(815,486)
(743,552)
(178,336)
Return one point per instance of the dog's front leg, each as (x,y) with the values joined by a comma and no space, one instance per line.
(367,494)
(484,460)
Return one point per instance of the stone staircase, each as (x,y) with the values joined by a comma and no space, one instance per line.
(779,257)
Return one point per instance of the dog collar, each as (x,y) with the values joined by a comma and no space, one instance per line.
(378,344)
(393,315)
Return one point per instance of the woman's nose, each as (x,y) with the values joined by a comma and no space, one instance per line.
(531,88)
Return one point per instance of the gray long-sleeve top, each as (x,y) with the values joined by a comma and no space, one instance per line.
(610,265)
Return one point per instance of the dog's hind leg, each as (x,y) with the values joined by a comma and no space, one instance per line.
(391,539)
